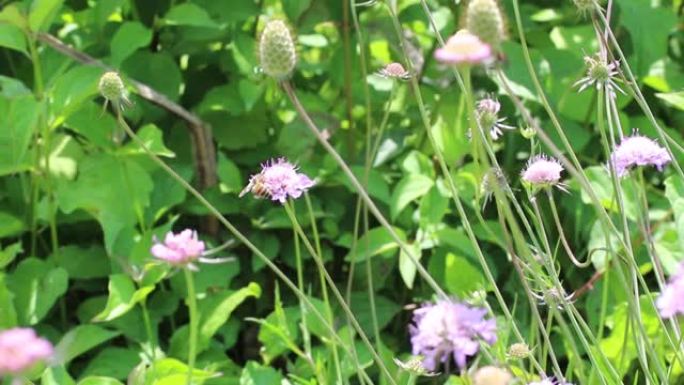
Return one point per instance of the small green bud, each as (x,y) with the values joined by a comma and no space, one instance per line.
(519,350)
(112,87)
(277,50)
(528,132)
(485,20)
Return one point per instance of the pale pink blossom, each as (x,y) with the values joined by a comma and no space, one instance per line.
(464,48)
(395,71)
(671,301)
(542,171)
(179,249)
(638,150)
(21,349)
(278,180)
(488,117)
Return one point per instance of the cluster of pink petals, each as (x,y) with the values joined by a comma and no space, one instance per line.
(21,349)
(638,150)
(464,48)
(179,249)
(488,117)
(542,171)
(449,329)
(395,71)
(671,301)
(278,180)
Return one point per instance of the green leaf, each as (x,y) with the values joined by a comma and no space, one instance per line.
(99,381)
(10,225)
(123,296)
(83,263)
(18,118)
(81,339)
(131,36)
(255,374)
(7,254)
(294,8)
(229,174)
(410,188)
(11,14)
(385,309)
(36,285)
(151,135)
(160,71)
(407,269)
(72,89)
(12,37)
(56,375)
(113,362)
(42,13)
(8,315)
(462,277)
(375,241)
(189,14)
(674,99)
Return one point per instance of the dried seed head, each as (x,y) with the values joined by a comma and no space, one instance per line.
(112,87)
(277,52)
(486,21)
(519,350)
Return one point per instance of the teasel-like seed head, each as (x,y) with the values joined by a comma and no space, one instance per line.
(112,87)
(485,20)
(277,52)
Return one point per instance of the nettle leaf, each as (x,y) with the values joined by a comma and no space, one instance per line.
(375,241)
(36,285)
(191,15)
(18,117)
(255,374)
(125,181)
(12,37)
(71,90)
(160,72)
(131,36)
(152,136)
(81,339)
(83,263)
(42,13)
(123,296)
(409,188)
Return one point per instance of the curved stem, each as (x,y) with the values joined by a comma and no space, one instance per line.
(561,233)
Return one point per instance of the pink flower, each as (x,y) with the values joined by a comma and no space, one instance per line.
(21,349)
(464,48)
(278,180)
(488,117)
(179,249)
(395,71)
(638,150)
(542,171)
(449,329)
(671,301)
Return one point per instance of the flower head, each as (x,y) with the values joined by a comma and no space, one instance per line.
(464,48)
(486,21)
(671,301)
(542,171)
(488,117)
(179,249)
(278,180)
(519,350)
(395,71)
(491,375)
(277,53)
(415,366)
(601,74)
(449,329)
(638,150)
(112,88)
(21,349)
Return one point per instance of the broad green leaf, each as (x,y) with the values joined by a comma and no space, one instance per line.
(385,310)
(18,117)
(113,362)
(279,331)
(294,8)
(169,371)
(461,277)
(255,374)
(123,296)
(375,241)
(151,135)
(216,310)
(131,36)
(229,174)
(83,263)
(81,339)
(72,89)
(11,14)
(409,188)
(10,225)
(8,315)
(42,13)
(8,253)
(160,71)
(99,381)
(674,99)
(433,206)
(12,37)
(189,14)
(36,285)
(407,268)
(56,375)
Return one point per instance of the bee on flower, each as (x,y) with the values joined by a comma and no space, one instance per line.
(278,180)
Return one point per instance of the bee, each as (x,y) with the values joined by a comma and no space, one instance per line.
(256,187)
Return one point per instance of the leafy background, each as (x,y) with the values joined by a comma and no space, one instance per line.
(79,210)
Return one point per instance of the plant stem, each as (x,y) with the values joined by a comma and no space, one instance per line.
(194,322)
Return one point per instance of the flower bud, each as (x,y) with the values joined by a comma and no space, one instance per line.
(584,6)
(112,87)
(277,50)
(528,132)
(485,20)
(519,350)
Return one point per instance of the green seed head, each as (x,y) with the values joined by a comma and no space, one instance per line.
(519,350)
(112,87)
(485,20)
(277,50)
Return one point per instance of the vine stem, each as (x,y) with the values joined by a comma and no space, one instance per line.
(359,188)
(191,302)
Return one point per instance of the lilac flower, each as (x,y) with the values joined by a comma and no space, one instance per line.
(21,349)
(488,118)
(464,48)
(671,301)
(542,171)
(638,150)
(395,71)
(449,329)
(179,249)
(278,180)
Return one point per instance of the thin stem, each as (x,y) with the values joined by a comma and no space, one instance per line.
(191,302)
(561,233)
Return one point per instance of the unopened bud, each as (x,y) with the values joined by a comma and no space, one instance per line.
(277,51)
(112,87)
(528,132)
(485,20)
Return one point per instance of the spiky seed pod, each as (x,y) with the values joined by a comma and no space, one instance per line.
(485,20)
(277,52)
(112,87)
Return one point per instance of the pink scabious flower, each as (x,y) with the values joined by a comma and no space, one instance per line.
(21,349)
(464,48)
(448,329)
(179,249)
(488,117)
(638,150)
(278,180)
(394,71)
(542,171)
(671,301)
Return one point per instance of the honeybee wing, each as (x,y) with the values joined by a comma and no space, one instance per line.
(247,188)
